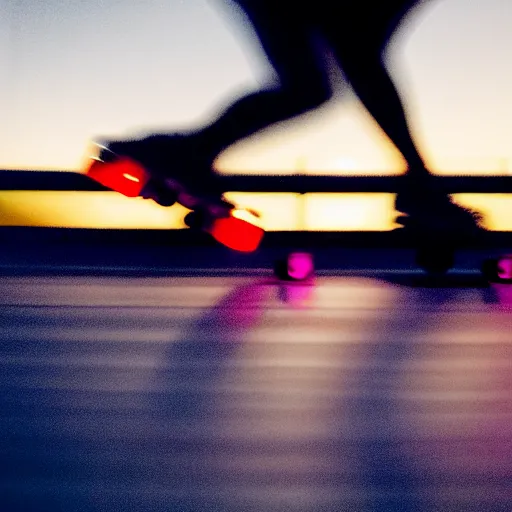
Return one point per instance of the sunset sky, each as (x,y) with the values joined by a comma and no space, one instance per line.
(75,70)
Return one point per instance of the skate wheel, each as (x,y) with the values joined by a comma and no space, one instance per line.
(298,266)
(167,198)
(435,261)
(281,269)
(498,270)
(123,175)
(162,195)
(194,220)
(237,234)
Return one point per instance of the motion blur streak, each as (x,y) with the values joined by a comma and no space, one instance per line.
(213,394)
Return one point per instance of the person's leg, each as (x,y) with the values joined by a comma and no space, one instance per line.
(359,45)
(360,48)
(378,94)
(303,84)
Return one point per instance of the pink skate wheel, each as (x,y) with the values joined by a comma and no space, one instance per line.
(237,234)
(123,175)
(504,269)
(300,265)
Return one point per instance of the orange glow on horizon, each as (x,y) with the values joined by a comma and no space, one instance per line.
(279,212)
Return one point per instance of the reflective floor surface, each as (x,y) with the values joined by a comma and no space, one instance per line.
(357,393)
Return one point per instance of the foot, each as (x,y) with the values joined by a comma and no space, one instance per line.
(426,209)
(181,172)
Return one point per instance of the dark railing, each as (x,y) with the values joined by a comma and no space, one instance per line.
(71,181)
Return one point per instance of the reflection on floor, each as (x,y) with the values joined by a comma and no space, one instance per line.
(231,394)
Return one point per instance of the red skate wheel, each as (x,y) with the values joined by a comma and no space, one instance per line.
(123,175)
(237,234)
